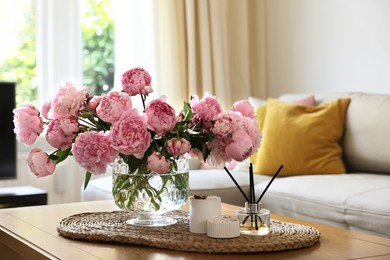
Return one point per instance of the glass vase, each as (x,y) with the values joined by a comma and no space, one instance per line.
(148,194)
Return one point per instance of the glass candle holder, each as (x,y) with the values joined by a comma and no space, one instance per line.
(254,220)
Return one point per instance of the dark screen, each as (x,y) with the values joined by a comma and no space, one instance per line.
(7,136)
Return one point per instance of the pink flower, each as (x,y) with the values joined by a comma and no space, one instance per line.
(178,146)
(28,124)
(69,126)
(205,109)
(137,81)
(245,108)
(45,109)
(240,146)
(225,127)
(225,124)
(218,156)
(158,163)
(67,102)
(161,116)
(129,134)
(252,129)
(113,105)
(94,102)
(56,137)
(39,163)
(92,150)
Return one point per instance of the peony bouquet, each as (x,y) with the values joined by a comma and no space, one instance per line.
(95,130)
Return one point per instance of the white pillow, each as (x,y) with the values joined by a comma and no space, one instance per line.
(243,166)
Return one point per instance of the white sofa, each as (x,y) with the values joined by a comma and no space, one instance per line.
(357,200)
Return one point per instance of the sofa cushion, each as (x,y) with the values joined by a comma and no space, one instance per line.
(346,201)
(261,110)
(306,140)
(218,183)
(369,211)
(366,142)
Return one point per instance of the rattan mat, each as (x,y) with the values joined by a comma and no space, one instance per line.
(111,227)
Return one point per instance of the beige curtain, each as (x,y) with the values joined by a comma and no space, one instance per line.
(215,46)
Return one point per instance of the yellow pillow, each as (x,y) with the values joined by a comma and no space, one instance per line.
(261,111)
(306,140)
(260,116)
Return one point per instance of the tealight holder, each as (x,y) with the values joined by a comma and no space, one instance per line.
(253,219)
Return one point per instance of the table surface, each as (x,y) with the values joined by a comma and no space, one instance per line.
(32,233)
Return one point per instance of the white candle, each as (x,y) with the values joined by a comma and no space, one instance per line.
(201,210)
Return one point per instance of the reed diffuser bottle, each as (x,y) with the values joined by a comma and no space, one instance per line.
(254,220)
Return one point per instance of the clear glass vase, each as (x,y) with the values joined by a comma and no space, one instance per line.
(148,194)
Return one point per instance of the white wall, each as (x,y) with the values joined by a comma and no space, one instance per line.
(328,46)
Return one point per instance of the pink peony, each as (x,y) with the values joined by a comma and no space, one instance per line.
(178,146)
(56,137)
(161,116)
(67,102)
(39,163)
(218,156)
(93,152)
(225,127)
(28,124)
(94,102)
(45,109)
(137,81)
(240,147)
(205,109)
(69,126)
(225,124)
(113,105)
(129,135)
(245,108)
(252,129)
(158,163)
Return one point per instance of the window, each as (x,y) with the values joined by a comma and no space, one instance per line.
(41,46)
(18,48)
(46,43)
(98,45)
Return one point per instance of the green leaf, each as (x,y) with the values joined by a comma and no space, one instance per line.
(186,136)
(86,114)
(103,125)
(187,111)
(91,118)
(88,176)
(199,124)
(205,151)
(53,157)
(61,155)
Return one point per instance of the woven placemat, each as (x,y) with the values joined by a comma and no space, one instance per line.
(112,227)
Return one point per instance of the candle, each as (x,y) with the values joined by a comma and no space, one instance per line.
(203,209)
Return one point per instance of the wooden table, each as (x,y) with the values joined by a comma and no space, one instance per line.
(30,233)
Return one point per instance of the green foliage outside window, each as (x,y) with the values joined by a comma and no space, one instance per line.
(98,54)
(98,46)
(21,68)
